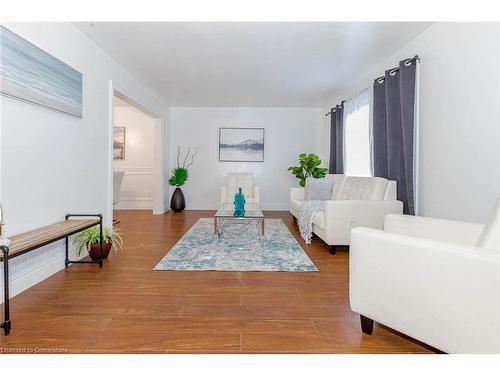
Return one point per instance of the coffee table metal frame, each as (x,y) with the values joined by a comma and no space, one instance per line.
(254,215)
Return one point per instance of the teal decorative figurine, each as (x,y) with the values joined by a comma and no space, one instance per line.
(239,204)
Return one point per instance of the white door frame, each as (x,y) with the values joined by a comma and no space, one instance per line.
(159,147)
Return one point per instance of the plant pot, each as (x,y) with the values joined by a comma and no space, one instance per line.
(95,249)
(178,202)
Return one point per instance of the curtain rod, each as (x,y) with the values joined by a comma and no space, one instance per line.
(334,109)
(416,58)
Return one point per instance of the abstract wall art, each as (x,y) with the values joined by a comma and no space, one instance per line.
(241,144)
(29,74)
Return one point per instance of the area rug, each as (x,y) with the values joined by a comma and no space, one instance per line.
(238,249)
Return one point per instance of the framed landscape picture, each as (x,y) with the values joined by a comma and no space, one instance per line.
(119,142)
(241,144)
(30,74)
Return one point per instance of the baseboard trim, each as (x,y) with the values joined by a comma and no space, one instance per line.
(134,171)
(134,204)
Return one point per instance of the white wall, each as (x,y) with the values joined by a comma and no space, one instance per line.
(137,184)
(288,132)
(51,163)
(459,117)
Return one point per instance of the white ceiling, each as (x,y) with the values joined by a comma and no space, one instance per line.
(256,64)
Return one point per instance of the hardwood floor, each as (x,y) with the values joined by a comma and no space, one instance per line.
(126,307)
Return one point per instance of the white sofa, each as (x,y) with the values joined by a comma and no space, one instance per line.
(355,201)
(431,279)
(235,181)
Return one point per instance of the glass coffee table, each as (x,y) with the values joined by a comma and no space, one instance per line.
(253,213)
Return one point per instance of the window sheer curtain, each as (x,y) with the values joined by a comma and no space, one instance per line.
(357,135)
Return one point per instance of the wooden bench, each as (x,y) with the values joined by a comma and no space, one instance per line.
(35,239)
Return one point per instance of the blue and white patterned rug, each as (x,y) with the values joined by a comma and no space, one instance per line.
(238,249)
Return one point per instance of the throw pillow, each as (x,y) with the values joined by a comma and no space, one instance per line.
(318,189)
(490,236)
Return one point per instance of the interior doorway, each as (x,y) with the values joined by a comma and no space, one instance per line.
(138,163)
(132,157)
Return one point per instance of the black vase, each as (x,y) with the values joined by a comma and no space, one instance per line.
(178,202)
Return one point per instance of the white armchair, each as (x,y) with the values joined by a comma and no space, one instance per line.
(240,180)
(355,201)
(431,279)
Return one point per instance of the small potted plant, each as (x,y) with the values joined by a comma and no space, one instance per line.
(90,239)
(178,178)
(309,166)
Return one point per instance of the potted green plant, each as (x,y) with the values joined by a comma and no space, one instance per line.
(178,178)
(309,166)
(90,239)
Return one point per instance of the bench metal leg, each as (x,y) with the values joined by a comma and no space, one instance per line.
(100,241)
(6,324)
(100,261)
(66,260)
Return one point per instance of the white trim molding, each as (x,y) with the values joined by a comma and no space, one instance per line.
(134,204)
(134,171)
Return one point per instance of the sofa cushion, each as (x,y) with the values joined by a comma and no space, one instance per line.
(363,188)
(319,189)
(490,236)
(338,181)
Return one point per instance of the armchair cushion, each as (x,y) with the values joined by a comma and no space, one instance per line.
(490,236)
(457,232)
(239,180)
(235,181)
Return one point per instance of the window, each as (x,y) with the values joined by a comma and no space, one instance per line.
(357,135)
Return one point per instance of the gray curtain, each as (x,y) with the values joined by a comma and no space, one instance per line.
(337,140)
(393,129)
